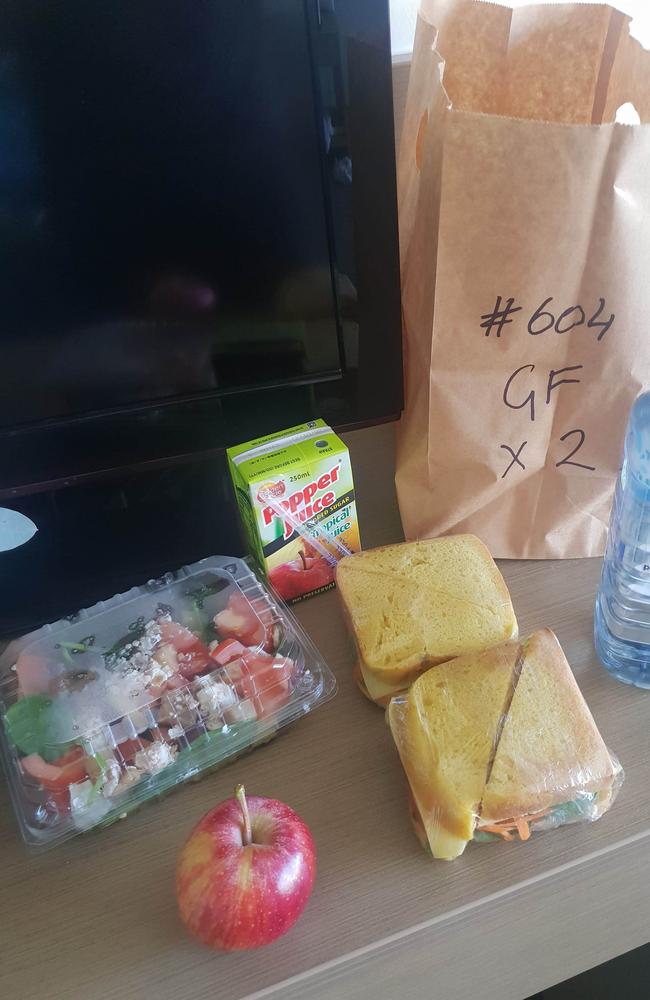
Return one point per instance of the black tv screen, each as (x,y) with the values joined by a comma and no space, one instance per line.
(198,246)
(163,225)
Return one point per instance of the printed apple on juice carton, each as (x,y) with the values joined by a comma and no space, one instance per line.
(310,571)
(291,487)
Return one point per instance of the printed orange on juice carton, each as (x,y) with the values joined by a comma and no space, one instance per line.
(295,494)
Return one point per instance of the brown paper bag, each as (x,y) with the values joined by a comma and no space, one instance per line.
(525,243)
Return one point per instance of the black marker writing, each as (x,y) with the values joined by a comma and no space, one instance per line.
(567,459)
(530,398)
(515,456)
(524,387)
(594,322)
(562,326)
(543,319)
(552,384)
(533,322)
(499,317)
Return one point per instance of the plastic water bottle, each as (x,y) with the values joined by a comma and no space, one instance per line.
(622,618)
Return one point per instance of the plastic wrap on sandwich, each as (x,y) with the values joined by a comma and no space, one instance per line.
(124,700)
(500,745)
(416,604)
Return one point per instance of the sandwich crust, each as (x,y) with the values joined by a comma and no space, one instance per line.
(415,605)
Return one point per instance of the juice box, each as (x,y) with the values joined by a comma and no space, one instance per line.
(295,494)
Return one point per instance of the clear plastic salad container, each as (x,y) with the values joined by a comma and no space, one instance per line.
(124,700)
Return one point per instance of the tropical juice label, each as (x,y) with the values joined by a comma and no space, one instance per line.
(295,494)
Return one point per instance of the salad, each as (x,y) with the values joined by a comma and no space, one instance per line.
(92,722)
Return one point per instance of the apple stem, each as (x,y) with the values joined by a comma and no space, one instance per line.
(302,556)
(240,795)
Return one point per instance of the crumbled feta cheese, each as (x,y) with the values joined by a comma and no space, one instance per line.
(138,661)
(243,712)
(130,777)
(136,655)
(213,722)
(176,732)
(167,657)
(182,698)
(155,758)
(214,696)
(87,808)
(152,634)
(80,792)
(178,707)
(111,776)
(158,674)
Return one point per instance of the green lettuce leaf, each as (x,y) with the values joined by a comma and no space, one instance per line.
(30,727)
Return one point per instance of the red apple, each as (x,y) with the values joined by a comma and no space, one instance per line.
(301,576)
(246,873)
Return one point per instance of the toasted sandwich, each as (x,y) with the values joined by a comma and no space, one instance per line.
(417,604)
(500,743)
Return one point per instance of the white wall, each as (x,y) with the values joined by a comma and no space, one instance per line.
(403,13)
(402,24)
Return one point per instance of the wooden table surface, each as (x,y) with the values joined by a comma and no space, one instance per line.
(95,918)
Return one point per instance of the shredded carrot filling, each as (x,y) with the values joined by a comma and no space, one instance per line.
(523,829)
(507,828)
(501,830)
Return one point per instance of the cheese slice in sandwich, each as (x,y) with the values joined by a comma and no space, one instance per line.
(417,604)
(477,771)
(374,688)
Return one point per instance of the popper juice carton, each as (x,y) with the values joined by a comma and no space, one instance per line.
(295,494)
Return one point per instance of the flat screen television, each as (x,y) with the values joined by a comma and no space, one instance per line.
(198,244)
